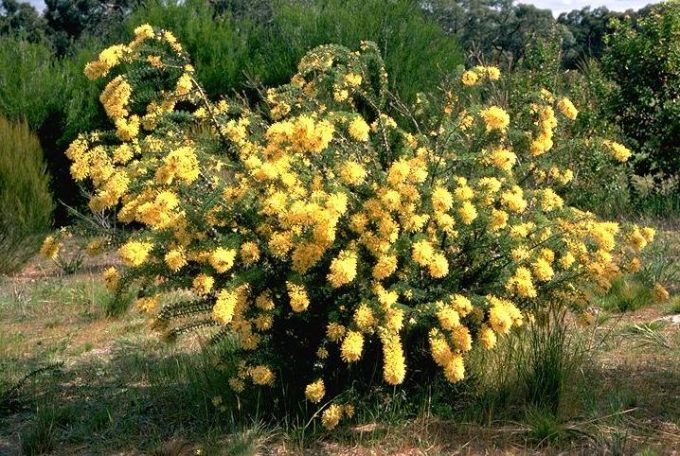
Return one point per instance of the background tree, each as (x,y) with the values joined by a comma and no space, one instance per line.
(69,19)
(643,58)
(21,19)
(494,30)
(588,29)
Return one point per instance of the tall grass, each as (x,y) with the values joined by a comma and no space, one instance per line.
(535,370)
(25,202)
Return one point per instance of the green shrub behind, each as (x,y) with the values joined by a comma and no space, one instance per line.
(643,58)
(25,201)
(230,51)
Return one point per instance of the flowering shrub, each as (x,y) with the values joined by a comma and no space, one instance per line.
(321,237)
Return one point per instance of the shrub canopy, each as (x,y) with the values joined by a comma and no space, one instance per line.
(319,238)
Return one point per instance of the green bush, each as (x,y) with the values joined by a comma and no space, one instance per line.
(30,84)
(55,99)
(600,183)
(25,202)
(643,57)
(230,51)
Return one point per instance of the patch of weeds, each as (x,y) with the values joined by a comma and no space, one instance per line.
(120,302)
(543,427)
(622,398)
(658,265)
(41,435)
(627,294)
(603,317)
(82,349)
(648,334)
(674,307)
(617,444)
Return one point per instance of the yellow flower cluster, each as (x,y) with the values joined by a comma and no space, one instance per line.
(328,234)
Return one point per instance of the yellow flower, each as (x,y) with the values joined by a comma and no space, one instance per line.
(135,253)
(567,108)
(127,129)
(343,269)
(495,118)
(498,220)
(461,304)
(115,97)
(335,332)
(439,266)
(542,270)
(620,152)
(359,129)
(111,278)
(363,317)
(460,335)
(502,159)
(299,301)
(422,252)
(314,392)
(448,317)
(181,163)
(385,267)
(352,173)
(222,259)
(147,305)
(353,79)
(469,78)
(175,259)
(50,248)
(467,213)
(454,370)
(250,253)
(184,85)
(352,346)
(394,363)
(331,416)
(439,348)
(660,293)
(487,337)
(262,375)
(223,310)
(521,284)
(203,284)
(441,199)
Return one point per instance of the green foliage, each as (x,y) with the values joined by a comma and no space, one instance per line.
(627,294)
(600,183)
(40,437)
(20,18)
(495,30)
(67,20)
(231,50)
(415,50)
(25,202)
(531,374)
(588,29)
(56,100)
(643,58)
(30,84)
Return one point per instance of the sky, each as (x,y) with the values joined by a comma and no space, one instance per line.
(557,6)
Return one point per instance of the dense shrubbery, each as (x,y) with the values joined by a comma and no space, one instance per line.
(266,45)
(600,184)
(25,202)
(643,58)
(318,238)
(235,48)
